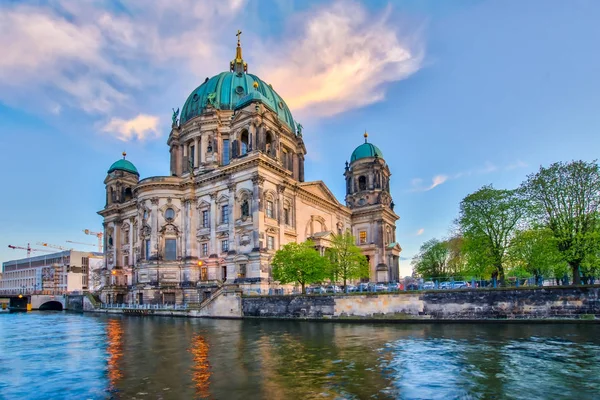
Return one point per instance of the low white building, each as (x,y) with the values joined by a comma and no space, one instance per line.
(62,272)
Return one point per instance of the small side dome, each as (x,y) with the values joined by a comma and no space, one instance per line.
(366,150)
(124,165)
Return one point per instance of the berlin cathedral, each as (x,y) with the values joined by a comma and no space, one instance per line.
(235,194)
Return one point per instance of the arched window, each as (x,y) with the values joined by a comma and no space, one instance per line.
(362,183)
(269,143)
(244,143)
(127,195)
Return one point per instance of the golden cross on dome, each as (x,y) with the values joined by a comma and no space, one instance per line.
(238,34)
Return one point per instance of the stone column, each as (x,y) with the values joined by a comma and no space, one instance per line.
(154,245)
(280,220)
(295,167)
(232,203)
(196,154)
(213,223)
(115,239)
(257,206)
(192,224)
(131,244)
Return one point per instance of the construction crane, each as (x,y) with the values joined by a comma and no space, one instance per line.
(98,235)
(28,248)
(85,244)
(53,246)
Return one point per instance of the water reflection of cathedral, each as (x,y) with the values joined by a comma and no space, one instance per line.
(236,192)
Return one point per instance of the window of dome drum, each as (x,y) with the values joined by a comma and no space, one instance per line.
(169,214)
(244,143)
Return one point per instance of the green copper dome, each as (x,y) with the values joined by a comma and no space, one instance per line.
(123,165)
(365,150)
(228,90)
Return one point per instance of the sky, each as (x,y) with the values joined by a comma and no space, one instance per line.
(457,95)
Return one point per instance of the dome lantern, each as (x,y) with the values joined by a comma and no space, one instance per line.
(366,150)
(123,165)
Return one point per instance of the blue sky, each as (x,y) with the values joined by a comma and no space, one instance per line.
(457,94)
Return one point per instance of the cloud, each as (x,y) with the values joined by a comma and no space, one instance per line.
(417,183)
(340,59)
(93,57)
(420,231)
(435,181)
(141,127)
(515,165)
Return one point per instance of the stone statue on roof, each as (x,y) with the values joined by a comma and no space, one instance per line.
(175,115)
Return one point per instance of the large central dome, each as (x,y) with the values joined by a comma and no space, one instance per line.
(228,89)
(232,89)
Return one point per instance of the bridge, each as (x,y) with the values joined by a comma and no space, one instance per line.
(30,301)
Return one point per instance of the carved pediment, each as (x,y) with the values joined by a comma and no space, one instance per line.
(203,204)
(318,188)
(170,229)
(223,235)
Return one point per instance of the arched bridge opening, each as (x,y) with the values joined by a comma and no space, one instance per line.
(51,306)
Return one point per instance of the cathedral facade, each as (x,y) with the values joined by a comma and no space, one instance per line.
(235,194)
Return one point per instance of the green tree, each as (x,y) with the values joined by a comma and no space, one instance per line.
(299,263)
(440,258)
(535,252)
(488,219)
(346,260)
(566,198)
(432,259)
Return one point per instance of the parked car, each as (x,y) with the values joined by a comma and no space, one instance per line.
(429,285)
(362,287)
(377,287)
(316,290)
(350,289)
(333,289)
(445,285)
(395,286)
(412,286)
(460,285)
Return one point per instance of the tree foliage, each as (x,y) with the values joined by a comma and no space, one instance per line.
(440,259)
(299,263)
(432,259)
(488,219)
(346,260)
(565,197)
(535,252)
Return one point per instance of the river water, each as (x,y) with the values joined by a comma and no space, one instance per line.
(58,355)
